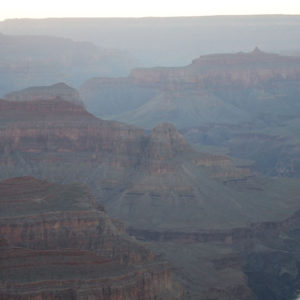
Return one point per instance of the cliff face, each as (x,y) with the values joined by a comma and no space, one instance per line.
(219,88)
(153,173)
(241,70)
(57,126)
(167,192)
(58,243)
(244,102)
(163,145)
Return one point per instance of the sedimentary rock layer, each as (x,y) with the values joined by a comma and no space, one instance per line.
(57,243)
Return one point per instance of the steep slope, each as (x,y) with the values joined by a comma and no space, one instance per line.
(149,181)
(57,243)
(114,95)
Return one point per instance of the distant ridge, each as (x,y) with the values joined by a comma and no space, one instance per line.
(146,38)
(225,88)
(58,90)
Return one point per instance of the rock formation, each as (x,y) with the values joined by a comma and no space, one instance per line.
(244,102)
(260,261)
(57,243)
(155,182)
(139,178)
(58,90)
(227,81)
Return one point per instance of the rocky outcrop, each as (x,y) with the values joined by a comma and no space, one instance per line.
(57,126)
(46,93)
(155,173)
(58,243)
(163,145)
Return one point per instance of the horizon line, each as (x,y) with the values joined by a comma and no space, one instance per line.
(153,17)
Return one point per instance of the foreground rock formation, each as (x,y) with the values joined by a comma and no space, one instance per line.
(57,243)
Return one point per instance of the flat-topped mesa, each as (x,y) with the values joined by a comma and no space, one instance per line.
(240,58)
(216,70)
(57,243)
(45,93)
(229,88)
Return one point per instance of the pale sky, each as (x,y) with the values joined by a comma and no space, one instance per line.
(142,8)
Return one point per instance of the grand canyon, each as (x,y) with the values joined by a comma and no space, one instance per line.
(121,179)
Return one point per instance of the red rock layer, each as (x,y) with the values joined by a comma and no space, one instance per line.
(56,243)
(57,126)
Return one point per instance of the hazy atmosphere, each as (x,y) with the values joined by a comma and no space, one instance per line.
(150,150)
(135,8)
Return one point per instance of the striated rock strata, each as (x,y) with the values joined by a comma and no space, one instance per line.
(57,243)
(151,180)
(217,88)
(257,262)
(155,182)
(247,103)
